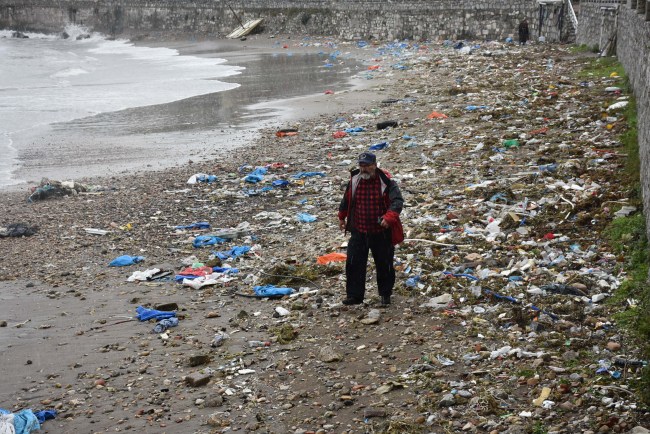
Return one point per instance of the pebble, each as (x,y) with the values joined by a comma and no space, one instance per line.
(328,355)
(447,400)
(197,379)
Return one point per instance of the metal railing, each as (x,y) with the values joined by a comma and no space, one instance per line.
(572,14)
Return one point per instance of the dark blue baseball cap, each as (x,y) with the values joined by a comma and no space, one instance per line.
(367,158)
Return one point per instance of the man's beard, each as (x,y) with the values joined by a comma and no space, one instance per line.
(365,176)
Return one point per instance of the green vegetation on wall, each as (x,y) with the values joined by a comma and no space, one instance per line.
(627,236)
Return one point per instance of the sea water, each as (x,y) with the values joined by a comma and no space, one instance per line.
(47,80)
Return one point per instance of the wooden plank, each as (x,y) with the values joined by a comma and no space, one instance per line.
(243,31)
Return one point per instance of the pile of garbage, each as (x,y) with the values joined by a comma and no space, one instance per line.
(509,165)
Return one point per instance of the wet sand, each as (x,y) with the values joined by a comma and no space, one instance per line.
(279,86)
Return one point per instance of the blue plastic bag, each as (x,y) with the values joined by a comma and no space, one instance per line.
(378,146)
(25,421)
(271,290)
(198,225)
(206,240)
(225,270)
(254,179)
(256,175)
(306,218)
(232,253)
(307,175)
(412,281)
(280,183)
(125,260)
(207,178)
(145,314)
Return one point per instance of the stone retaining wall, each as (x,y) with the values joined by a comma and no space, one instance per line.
(356,19)
(597,22)
(633,50)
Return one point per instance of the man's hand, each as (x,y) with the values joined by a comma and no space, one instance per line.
(384,224)
(342,224)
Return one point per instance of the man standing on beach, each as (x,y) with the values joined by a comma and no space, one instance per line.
(523,32)
(370,211)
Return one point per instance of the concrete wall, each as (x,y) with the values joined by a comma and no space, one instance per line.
(352,19)
(633,50)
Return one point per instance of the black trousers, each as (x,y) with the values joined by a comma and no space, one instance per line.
(383,253)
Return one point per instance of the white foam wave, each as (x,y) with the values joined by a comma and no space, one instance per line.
(8,33)
(71,72)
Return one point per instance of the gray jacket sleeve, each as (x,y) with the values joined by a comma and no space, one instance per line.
(395,196)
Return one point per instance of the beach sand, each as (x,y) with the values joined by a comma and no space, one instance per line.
(71,341)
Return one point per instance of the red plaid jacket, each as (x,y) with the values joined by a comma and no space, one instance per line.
(392,198)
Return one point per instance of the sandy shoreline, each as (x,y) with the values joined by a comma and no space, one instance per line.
(243,113)
(66,345)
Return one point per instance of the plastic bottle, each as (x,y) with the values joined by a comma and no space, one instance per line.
(549,64)
(257,344)
(219,339)
(547,167)
(412,281)
(165,324)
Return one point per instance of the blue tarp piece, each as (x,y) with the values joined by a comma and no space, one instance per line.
(44,415)
(124,260)
(378,146)
(256,175)
(362,44)
(145,314)
(354,130)
(271,290)
(198,225)
(306,218)
(307,175)
(207,240)
(280,183)
(232,253)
